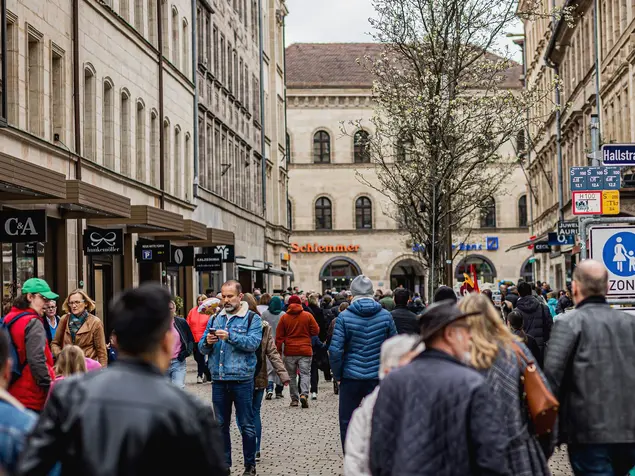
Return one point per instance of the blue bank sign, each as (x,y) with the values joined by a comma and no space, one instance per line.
(621,155)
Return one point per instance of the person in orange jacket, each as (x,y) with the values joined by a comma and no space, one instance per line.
(198,322)
(293,338)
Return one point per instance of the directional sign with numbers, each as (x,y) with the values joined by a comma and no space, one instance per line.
(594,178)
(610,202)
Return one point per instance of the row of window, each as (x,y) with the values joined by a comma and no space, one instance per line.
(324,214)
(322,147)
(117,111)
(488,213)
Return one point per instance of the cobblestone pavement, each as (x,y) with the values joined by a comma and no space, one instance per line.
(304,442)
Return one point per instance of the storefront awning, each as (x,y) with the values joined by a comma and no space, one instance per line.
(84,200)
(192,230)
(278,272)
(249,268)
(215,237)
(527,243)
(20,179)
(144,218)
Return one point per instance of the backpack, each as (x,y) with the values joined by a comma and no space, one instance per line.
(258,350)
(16,365)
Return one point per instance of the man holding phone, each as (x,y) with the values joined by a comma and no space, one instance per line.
(231,340)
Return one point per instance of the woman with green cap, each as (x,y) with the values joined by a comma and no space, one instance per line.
(27,333)
(272,315)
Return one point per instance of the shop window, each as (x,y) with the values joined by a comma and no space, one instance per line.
(363,213)
(321,147)
(522,211)
(108,126)
(361,151)
(488,214)
(323,214)
(140,139)
(125,133)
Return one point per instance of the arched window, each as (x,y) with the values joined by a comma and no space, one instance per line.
(323,216)
(363,213)
(522,211)
(321,147)
(289,215)
(361,152)
(90,116)
(404,147)
(485,269)
(488,214)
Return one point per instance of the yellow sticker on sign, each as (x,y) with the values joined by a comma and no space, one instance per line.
(610,202)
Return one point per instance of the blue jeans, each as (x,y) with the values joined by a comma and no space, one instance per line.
(257,403)
(177,373)
(602,460)
(352,392)
(240,395)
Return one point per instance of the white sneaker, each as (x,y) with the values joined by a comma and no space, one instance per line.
(199,379)
(314,396)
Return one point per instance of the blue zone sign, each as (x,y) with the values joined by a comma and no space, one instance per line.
(615,247)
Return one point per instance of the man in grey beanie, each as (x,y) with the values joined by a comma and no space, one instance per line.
(354,352)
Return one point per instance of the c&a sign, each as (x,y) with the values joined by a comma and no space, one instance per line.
(22,226)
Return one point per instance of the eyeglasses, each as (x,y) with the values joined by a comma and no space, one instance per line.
(76,303)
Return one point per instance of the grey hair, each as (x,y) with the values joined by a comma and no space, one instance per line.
(387,293)
(394,349)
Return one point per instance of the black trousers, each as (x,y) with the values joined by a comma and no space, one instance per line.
(202,368)
(315,372)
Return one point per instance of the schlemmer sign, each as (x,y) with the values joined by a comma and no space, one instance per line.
(315,248)
(17,226)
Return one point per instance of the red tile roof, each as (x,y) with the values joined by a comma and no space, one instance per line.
(334,65)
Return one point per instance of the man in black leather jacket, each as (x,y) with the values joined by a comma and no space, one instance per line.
(128,419)
(589,365)
(405,320)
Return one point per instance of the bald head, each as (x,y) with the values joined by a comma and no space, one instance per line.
(590,278)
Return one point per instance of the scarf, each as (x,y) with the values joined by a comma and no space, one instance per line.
(75,322)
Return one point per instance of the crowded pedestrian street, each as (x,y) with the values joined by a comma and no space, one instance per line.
(306,442)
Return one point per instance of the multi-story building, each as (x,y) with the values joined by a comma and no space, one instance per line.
(241,119)
(568,52)
(98,139)
(340,226)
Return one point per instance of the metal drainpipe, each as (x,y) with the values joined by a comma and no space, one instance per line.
(161,112)
(78,138)
(262,130)
(194,79)
(286,142)
(596,19)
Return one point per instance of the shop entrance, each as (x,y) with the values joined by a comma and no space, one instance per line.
(409,274)
(102,275)
(485,270)
(337,274)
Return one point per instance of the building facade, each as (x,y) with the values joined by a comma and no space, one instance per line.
(102,183)
(342,227)
(568,51)
(241,137)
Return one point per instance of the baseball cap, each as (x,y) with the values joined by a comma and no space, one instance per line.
(38,286)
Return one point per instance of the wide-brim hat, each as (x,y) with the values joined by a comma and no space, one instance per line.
(439,315)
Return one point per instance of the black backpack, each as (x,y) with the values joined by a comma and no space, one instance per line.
(16,365)
(258,350)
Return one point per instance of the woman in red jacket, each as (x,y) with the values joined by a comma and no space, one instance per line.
(29,338)
(198,322)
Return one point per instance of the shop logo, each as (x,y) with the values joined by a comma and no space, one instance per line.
(222,251)
(178,256)
(97,239)
(103,242)
(225,253)
(23,226)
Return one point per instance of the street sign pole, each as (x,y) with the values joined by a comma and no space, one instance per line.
(595,138)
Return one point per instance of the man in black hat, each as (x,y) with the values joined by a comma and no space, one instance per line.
(435,415)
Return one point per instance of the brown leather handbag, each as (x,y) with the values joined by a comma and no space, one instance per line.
(543,405)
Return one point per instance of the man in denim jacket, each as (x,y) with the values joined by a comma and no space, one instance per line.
(231,339)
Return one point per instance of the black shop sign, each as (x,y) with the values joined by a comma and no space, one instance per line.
(226,253)
(103,242)
(208,262)
(18,226)
(542,247)
(148,251)
(182,256)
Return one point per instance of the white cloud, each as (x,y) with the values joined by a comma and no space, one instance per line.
(328,21)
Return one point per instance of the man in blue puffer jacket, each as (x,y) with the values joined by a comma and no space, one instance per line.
(354,352)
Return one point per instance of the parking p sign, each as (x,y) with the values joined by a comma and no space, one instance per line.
(615,247)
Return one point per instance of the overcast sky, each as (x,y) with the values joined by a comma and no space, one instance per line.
(340,21)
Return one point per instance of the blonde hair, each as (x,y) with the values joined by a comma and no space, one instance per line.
(201,296)
(70,361)
(251,302)
(314,299)
(488,332)
(90,304)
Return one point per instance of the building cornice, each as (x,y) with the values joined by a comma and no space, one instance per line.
(308,101)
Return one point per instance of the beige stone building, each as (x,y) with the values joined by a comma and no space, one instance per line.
(102,181)
(342,227)
(235,132)
(570,52)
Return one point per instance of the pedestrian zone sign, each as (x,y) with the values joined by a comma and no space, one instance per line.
(615,247)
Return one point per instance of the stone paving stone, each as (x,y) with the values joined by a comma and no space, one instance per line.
(305,442)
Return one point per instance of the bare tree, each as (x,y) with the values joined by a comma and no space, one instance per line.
(446,107)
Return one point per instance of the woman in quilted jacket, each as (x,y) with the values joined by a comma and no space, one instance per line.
(493,355)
